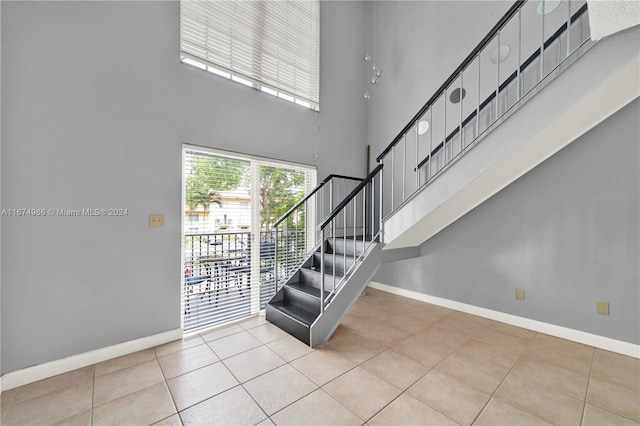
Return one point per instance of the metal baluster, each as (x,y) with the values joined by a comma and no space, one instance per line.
(372,202)
(286,247)
(461,112)
(444,141)
(333,250)
(544,6)
(568,28)
(417,156)
(344,241)
(381,198)
(322,250)
(478,105)
(430,141)
(393,173)
(519,75)
(498,80)
(404,166)
(364,213)
(355,220)
(275,263)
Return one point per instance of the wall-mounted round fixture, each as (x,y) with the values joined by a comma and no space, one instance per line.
(366,95)
(500,54)
(547,6)
(423,127)
(457,95)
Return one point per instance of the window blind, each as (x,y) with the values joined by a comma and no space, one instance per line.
(230,204)
(273,44)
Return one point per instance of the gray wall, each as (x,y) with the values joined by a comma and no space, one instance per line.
(95,108)
(567,232)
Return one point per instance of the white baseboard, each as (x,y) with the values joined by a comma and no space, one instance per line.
(49,369)
(594,340)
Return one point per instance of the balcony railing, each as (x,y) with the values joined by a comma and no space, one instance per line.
(532,43)
(223,281)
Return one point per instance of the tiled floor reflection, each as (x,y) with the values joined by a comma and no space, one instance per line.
(393,361)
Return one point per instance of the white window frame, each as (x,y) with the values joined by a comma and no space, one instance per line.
(202,38)
(255,163)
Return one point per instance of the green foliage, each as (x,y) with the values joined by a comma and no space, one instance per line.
(209,175)
(280,189)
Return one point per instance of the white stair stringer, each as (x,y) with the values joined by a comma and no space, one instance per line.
(326,324)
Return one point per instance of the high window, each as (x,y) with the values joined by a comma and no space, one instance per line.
(273,46)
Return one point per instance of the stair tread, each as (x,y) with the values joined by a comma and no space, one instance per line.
(328,271)
(314,291)
(304,316)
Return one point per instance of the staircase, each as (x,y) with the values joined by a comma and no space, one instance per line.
(452,158)
(314,293)
(296,307)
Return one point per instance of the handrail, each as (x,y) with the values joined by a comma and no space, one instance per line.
(502,86)
(367,189)
(332,176)
(483,43)
(298,204)
(350,197)
(310,194)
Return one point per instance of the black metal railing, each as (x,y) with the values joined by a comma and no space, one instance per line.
(546,40)
(355,224)
(303,219)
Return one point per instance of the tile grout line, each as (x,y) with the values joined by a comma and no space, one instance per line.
(15,395)
(423,375)
(586,393)
(166,386)
(453,378)
(254,400)
(418,379)
(505,378)
(93,394)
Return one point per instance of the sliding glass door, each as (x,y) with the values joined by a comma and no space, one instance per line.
(230,203)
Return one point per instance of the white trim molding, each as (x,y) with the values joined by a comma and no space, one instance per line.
(613,345)
(49,369)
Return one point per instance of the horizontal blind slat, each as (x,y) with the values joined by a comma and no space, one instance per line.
(276,43)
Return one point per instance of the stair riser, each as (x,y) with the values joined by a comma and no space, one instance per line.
(309,277)
(302,299)
(312,278)
(282,321)
(350,247)
(340,263)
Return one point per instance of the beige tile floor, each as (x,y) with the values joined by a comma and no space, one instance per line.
(393,361)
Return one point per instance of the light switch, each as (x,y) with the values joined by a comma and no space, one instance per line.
(603,308)
(156,220)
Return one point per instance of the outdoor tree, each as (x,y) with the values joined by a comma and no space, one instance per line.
(280,189)
(209,176)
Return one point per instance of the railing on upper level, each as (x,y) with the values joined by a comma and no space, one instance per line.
(532,43)
(303,219)
(354,223)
